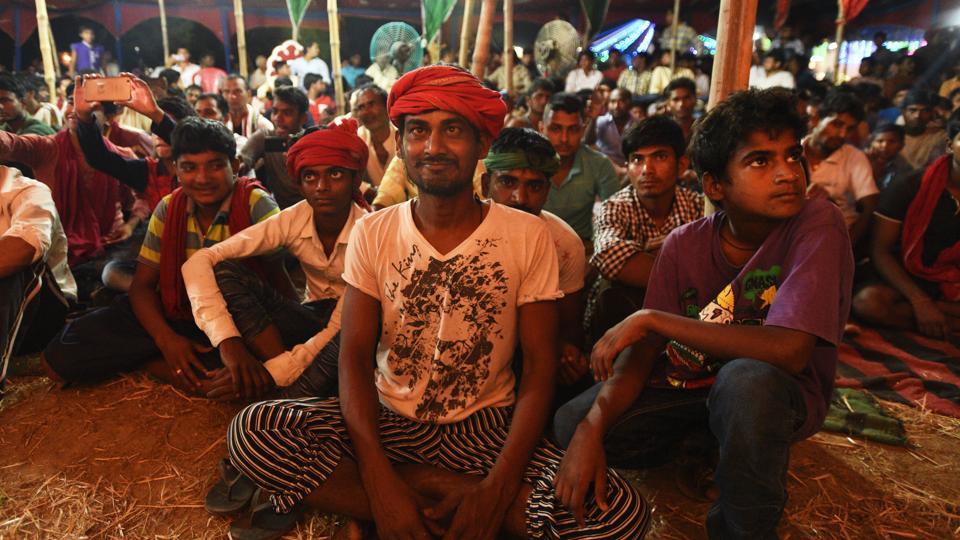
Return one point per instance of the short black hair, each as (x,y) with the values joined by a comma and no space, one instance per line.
(196,86)
(777,54)
(890,127)
(842,102)
(541,83)
(235,77)
(721,131)
(219,100)
(624,93)
(919,97)
(588,53)
(310,78)
(177,107)
(292,96)
(953,125)
(283,80)
(370,87)
(566,102)
(170,75)
(9,83)
(524,140)
(654,131)
(609,83)
(194,135)
(681,83)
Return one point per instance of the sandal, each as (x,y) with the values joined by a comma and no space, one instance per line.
(264,522)
(231,494)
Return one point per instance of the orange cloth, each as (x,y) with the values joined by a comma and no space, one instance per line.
(336,145)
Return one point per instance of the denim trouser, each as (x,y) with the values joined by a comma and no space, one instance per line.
(254,305)
(754,410)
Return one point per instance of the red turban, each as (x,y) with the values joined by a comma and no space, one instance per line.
(337,145)
(447,88)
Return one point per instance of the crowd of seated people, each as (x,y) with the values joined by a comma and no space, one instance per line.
(462,316)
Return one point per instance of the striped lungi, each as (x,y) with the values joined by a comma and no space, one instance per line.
(290,447)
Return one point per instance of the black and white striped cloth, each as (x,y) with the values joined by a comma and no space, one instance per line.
(290,447)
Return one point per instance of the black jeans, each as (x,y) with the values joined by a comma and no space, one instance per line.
(32,312)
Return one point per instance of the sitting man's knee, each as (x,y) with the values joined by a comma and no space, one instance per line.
(758,385)
(871,303)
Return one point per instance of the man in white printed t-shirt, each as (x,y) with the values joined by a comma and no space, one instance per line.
(519,166)
(440,291)
(841,169)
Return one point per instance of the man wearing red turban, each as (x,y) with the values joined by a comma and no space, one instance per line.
(442,290)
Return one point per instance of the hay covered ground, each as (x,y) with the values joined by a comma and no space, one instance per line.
(133,459)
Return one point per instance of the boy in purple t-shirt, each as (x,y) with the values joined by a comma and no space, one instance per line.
(739,330)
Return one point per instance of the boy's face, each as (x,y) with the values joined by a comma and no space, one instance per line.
(523,189)
(207,108)
(286,118)
(681,103)
(765,178)
(87,36)
(565,130)
(886,145)
(206,177)
(328,190)
(653,170)
(538,100)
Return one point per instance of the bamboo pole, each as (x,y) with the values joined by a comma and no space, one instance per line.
(731,65)
(43,28)
(53,48)
(481,52)
(676,36)
(333,19)
(465,32)
(241,37)
(841,22)
(508,43)
(163,32)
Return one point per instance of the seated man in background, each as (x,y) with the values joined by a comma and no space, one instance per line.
(634,222)
(243,119)
(611,127)
(274,337)
(924,142)
(519,166)
(884,155)
(269,146)
(154,320)
(916,250)
(584,174)
(739,331)
(841,169)
(13,115)
(35,282)
(369,107)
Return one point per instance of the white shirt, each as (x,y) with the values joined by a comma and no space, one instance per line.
(49,115)
(847,177)
(579,80)
(257,123)
(374,169)
(383,77)
(301,66)
(186,74)
(27,212)
(293,229)
(761,80)
(449,321)
(571,256)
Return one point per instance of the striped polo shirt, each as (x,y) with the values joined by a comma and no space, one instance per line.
(262,206)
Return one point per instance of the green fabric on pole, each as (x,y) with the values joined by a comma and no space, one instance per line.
(596,12)
(854,412)
(434,14)
(297,9)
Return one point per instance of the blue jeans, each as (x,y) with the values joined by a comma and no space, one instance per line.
(754,410)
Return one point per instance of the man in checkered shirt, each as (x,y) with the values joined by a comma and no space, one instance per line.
(633,223)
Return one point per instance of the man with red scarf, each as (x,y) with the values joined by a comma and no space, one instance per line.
(916,249)
(441,290)
(155,320)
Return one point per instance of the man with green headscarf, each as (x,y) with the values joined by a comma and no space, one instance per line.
(519,166)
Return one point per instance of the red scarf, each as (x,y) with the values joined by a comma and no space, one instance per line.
(87,204)
(159,185)
(173,246)
(946,269)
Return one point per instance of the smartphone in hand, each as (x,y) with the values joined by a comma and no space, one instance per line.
(107,89)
